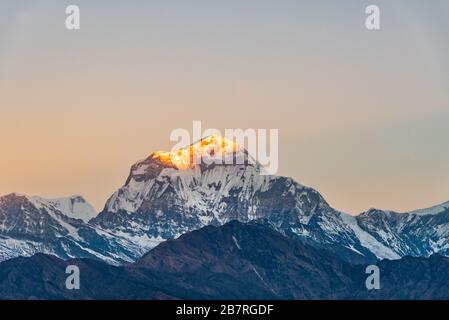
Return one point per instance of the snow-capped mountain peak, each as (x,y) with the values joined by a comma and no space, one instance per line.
(164,198)
(75,207)
(198,174)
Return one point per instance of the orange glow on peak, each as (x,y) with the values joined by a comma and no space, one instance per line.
(211,146)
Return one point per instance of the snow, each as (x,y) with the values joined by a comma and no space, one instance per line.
(11,248)
(262,279)
(432,210)
(236,242)
(73,207)
(368,241)
(196,189)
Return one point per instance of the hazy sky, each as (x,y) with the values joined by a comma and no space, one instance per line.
(363,116)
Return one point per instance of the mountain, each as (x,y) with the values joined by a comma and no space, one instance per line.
(167,194)
(233,261)
(164,198)
(240,261)
(29,225)
(418,233)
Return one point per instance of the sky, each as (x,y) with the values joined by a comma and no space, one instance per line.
(362,115)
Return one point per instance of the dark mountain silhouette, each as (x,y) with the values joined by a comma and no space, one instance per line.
(233,261)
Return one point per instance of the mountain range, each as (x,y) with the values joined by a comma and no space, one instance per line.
(233,261)
(167,196)
(161,200)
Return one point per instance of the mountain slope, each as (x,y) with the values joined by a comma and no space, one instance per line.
(43,277)
(236,261)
